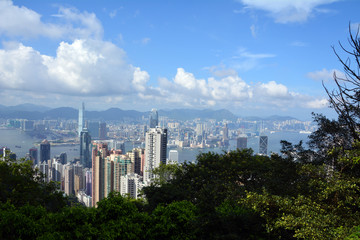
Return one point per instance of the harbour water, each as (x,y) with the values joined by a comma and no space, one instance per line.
(19,142)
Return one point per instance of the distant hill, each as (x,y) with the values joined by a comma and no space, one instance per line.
(187,114)
(27,107)
(271,118)
(36,112)
(62,113)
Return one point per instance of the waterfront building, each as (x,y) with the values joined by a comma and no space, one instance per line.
(241,143)
(154,119)
(155,151)
(27,125)
(263,145)
(81,122)
(102,131)
(44,151)
(93,129)
(173,156)
(63,158)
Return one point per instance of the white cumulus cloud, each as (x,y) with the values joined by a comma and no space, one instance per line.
(285,11)
(83,67)
(19,21)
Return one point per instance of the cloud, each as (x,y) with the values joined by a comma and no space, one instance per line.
(145,41)
(80,68)
(18,21)
(253,30)
(272,89)
(298,44)
(140,79)
(355,26)
(318,103)
(221,71)
(245,60)
(285,11)
(325,75)
(229,92)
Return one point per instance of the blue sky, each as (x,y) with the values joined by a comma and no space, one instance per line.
(252,57)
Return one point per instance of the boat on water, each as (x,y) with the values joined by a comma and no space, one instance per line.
(17,146)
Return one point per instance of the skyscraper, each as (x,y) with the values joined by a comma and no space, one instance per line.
(69,179)
(44,151)
(102,131)
(33,153)
(263,144)
(155,151)
(99,154)
(81,122)
(136,156)
(225,133)
(85,148)
(154,121)
(93,128)
(241,143)
(63,158)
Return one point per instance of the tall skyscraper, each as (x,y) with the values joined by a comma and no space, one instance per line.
(88,180)
(63,158)
(102,131)
(44,151)
(241,143)
(154,120)
(44,168)
(69,179)
(81,122)
(263,144)
(155,151)
(93,128)
(99,154)
(225,133)
(137,157)
(33,153)
(85,148)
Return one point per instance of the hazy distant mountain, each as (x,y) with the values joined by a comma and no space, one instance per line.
(271,118)
(187,114)
(28,107)
(36,112)
(62,113)
(114,114)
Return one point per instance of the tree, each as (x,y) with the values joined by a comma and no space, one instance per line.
(20,184)
(346,98)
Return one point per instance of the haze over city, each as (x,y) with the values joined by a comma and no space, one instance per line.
(249,57)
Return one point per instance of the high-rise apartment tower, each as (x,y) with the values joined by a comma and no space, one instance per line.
(155,151)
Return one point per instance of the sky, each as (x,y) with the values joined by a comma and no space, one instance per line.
(252,57)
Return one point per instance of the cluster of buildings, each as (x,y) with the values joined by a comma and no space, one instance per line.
(103,165)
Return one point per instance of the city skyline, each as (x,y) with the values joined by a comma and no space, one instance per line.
(248,57)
